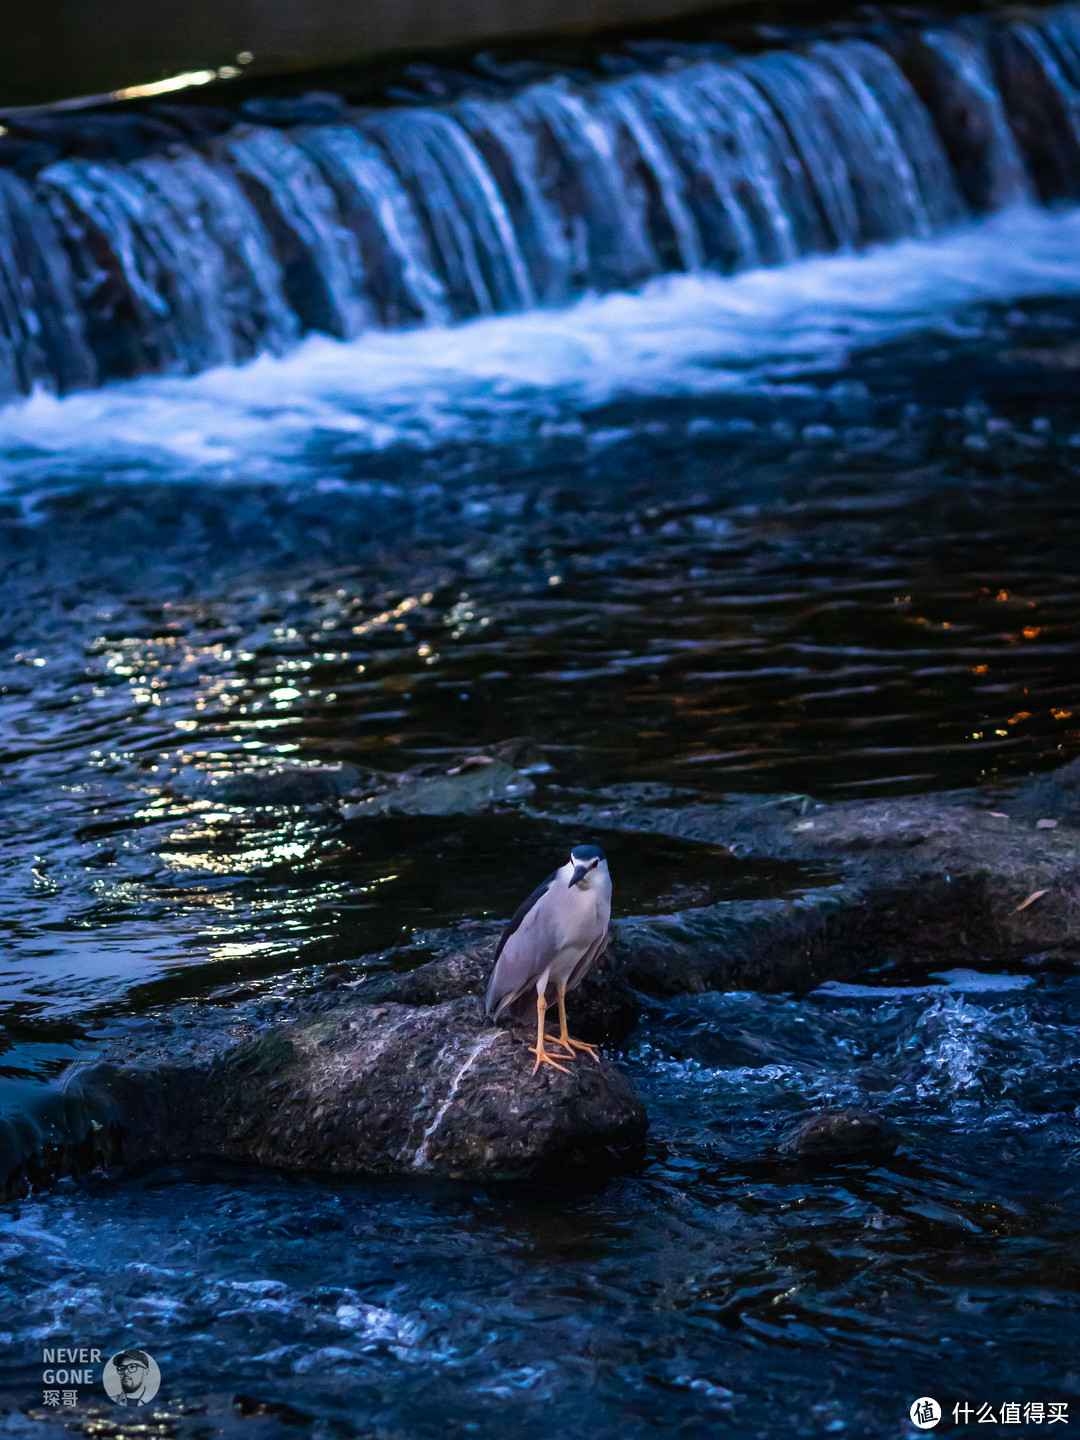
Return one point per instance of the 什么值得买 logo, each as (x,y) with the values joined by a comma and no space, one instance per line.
(925,1413)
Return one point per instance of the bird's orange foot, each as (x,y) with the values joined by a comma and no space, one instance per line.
(543,1058)
(571,1044)
(558,1040)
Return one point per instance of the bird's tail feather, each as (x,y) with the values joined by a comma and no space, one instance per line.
(522,1005)
(518,1004)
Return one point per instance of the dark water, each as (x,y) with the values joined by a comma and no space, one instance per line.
(720,1288)
(859,581)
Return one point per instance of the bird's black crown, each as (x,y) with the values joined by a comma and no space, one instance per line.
(582,854)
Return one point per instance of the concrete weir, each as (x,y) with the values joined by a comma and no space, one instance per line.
(425,193)
(399,1075)
(63,47)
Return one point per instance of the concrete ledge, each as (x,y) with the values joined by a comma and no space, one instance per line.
(59,48)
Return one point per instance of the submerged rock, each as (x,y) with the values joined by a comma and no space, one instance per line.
(842,1134)
(473,789)
(379,1091)
(278,785)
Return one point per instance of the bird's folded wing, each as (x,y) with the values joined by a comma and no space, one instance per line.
(585,964)
(525,951)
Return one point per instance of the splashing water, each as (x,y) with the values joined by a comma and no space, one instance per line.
(504,379)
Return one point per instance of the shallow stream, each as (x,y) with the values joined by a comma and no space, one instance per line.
(834,558)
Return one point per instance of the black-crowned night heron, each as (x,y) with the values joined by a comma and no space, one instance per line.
(550,945)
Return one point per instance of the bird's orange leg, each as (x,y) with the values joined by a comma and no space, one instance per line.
(539,1049)
(564,1038)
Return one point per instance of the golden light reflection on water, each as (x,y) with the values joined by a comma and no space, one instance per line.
(411,602)
(258,684)
(244,860)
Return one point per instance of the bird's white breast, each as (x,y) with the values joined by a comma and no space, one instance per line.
(585,918)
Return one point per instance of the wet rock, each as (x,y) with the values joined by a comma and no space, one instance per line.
(282,785)
(450,977)
(1055,796)
(950,73)
(932,881)
(841,1134)
(317,107)
(468,792)
(1039,115)
(603,1008)
(521,751)
(747,945)
(376,1090)
(68,1128)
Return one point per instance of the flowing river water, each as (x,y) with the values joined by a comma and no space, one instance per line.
(810,529)
(858,581)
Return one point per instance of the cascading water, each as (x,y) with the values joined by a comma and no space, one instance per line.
(320,260)
(193,258)
(399,275)
(461,207)
(172,269)
(42,336)
(974,126)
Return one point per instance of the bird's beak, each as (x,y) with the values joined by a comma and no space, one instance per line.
(579,874)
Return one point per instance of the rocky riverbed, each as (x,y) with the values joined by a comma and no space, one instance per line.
(402,1075)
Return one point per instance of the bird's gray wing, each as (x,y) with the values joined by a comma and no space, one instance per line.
(523,910)
(585,964)
(526,946)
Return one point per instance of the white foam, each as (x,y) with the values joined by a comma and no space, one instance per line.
(971,982)
(502,378)
(963,982)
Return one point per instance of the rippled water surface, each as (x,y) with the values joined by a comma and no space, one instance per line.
(848,571)
(721,1287)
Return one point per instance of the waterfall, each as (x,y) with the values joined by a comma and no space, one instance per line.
(460,206)
(319,256)
(42,340)
(953,73)
(172,271)
(509,150)
(399,274)
(206,254)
